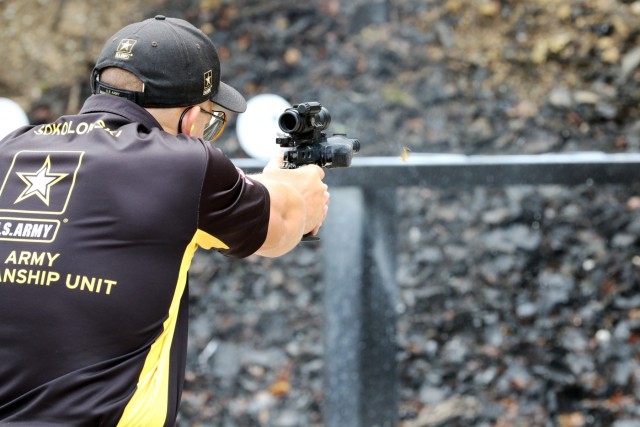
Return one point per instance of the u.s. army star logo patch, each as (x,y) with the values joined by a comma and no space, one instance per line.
(125,49)
(208,82)
(40,181)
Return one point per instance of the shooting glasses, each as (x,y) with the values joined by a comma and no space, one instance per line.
(214,128)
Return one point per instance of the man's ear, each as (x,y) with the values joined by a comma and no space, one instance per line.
(189,120)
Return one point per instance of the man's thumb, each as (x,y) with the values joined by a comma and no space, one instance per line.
(276,161)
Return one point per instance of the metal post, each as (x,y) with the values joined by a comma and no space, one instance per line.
(343,245)
(360,319)
(378,349)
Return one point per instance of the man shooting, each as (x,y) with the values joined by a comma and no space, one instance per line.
(100,215)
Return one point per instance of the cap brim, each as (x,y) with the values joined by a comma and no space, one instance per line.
(230,98)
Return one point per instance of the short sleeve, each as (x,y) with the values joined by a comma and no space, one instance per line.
(233,215)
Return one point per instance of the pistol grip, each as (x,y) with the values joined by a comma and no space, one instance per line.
(309,238)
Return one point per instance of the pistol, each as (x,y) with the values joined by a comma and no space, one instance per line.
(307,143)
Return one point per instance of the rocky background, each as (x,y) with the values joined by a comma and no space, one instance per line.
(518,306)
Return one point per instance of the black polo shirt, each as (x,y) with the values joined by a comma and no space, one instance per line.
(100,215)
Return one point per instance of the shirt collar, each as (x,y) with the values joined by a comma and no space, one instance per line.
(119,106)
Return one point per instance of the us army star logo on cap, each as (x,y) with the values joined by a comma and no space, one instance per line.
(208,82)
(125,48)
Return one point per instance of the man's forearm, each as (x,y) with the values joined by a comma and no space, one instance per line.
(287,214)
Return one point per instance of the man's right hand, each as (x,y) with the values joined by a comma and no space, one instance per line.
(299,202)
(307,180)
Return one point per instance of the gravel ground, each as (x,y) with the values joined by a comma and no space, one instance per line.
(518,307)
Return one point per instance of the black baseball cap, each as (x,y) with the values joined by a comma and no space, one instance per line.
(177,63)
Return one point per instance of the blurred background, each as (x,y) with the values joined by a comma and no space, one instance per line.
(517,306)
